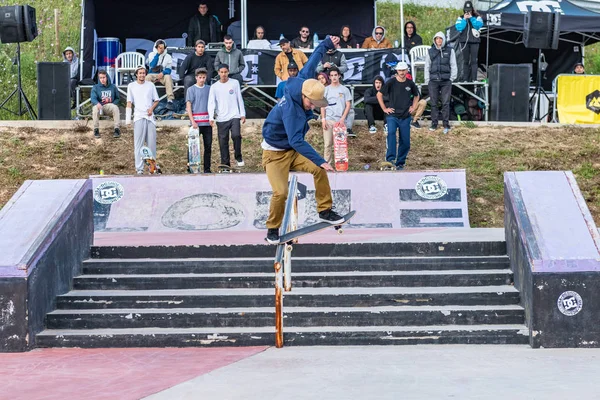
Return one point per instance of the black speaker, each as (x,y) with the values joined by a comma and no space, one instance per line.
(541,30)
(17,24)
(54,96)
(509,92)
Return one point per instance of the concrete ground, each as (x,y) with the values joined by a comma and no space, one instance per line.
(401,372)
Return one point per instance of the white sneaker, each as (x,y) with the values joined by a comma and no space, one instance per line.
(385,129)
(241,163)
(372,129)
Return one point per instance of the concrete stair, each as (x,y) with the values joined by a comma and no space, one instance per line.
(177,302)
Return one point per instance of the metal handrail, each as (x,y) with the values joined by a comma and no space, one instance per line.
(283,258)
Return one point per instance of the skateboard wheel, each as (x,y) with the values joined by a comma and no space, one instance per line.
(288,247)
(340,231)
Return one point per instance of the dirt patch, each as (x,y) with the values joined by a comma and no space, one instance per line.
(485,152)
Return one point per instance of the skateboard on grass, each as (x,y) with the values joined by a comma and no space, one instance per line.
(288,237)
(226,169)
(387,166)
(194,157)
(340,148)
(150,161)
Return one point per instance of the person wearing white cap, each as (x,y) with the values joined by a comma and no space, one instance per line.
(398,98)
(143,96)
(440,71)
(284,146)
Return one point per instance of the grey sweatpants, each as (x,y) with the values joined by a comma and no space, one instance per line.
(144,131)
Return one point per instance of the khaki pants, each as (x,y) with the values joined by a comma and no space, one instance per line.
(278,164)
(166,80)
(328,141)
(112,110)
(416,114)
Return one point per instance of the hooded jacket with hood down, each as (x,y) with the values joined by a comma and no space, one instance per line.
(371,93)
(287,123)
(234,60)
(440,63)
(414,40)
(372,43)
(163,61)
(104,94)
(195,28)
(74,63)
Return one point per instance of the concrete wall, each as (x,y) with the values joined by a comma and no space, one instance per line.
(46,230)
(553,245)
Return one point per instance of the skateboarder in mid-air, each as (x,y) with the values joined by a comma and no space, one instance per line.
(285,149)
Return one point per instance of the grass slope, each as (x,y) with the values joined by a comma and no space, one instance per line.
(484,152)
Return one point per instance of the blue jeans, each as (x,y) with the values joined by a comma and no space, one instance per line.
(403,125)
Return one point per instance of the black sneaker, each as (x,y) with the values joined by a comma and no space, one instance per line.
(273,236)
(399,167)
(170,105)
(330,217)
(433,127)
(97,133)
(350,133)
(117,133)
(416,124)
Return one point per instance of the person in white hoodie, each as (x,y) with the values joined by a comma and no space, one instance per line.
(69,56)
(160,63)
(226,107)
(440,71)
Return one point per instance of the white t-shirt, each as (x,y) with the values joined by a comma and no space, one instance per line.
(142,96)
(225,100)
(259,44)
(336,96)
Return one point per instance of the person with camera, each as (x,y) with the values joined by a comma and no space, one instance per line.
(469,25)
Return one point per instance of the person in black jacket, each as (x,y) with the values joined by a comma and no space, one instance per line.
(411,38)
(373,110)
(440,72)
(203,26)
(191,63)
(346,39)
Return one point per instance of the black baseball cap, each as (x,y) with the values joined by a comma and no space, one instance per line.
(283,41)
(292,65)
(468,6)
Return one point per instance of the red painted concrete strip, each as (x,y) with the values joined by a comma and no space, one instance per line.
(97,374)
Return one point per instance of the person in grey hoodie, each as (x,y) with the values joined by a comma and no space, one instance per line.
(440,72)
(69,56)
(105,100)
(233,58)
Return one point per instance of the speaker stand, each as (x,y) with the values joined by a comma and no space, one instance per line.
(19,93)
(537,94)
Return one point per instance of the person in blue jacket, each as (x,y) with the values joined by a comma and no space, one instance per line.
(284,146)
(468,25)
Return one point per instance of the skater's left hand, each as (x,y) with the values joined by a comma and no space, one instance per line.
(335,40)
(327,167)
(410,109)
(338,124)
(243,119)
(149,112)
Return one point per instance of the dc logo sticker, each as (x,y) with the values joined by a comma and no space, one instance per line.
(592,101)
(494,19)
(431,187)
(230,91)
(569,303)
(108,192)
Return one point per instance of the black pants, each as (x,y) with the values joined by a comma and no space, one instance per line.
(469,53)
(373,112)
(237,77)
(72,89)
(207,135)
(188,81)
(223,129)
(440,90)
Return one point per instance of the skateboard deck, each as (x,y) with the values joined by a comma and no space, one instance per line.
(387,166)
(307,230)
(150,161)
(340,148)
(226,169)
(194,158)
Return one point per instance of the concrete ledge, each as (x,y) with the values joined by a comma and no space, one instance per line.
(46,230)
(553,246)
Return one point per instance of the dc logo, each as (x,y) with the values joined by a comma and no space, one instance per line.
(569,303)
(494,19)
(407,89)
(230,91)
(108,192)
(431,187)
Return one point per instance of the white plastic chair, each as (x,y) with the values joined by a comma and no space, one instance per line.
(127,63)
(417,58)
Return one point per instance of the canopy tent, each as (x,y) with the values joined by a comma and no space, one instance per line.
(502,38)
(151,19)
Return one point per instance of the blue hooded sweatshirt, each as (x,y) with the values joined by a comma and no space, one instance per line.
(287,123)
(104,94)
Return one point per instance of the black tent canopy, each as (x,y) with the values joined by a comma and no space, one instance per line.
(502,40)
(151,19)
